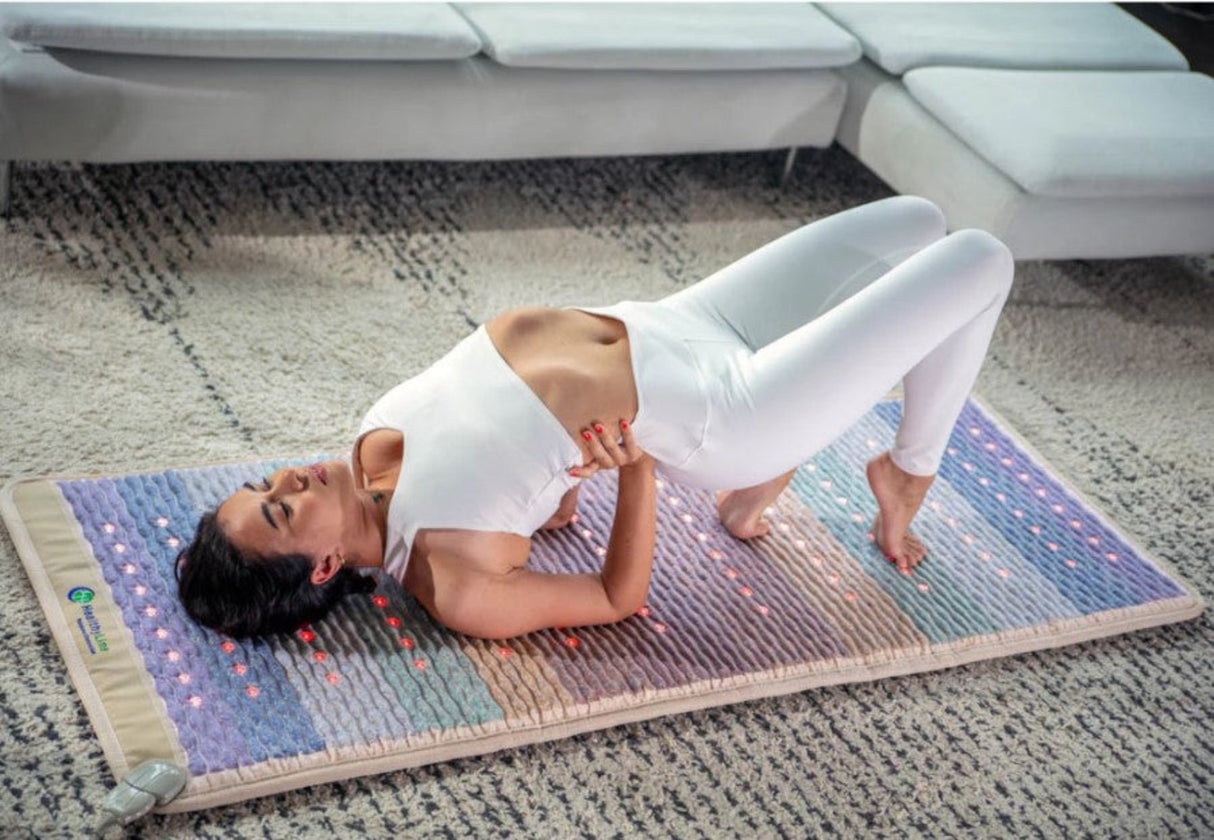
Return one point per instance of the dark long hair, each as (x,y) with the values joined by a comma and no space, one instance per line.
(242,595)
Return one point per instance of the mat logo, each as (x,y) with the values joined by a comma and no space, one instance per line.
(88,623)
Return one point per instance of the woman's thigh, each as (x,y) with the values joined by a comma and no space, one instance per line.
(807,272)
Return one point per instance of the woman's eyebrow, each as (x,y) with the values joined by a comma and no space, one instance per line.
(265,507)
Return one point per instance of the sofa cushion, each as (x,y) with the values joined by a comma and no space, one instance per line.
(383,31)
(1028,36)
(660,36)
(1080,134)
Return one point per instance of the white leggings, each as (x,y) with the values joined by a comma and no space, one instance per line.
(813,329)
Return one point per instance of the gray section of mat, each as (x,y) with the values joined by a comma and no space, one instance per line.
(159,314)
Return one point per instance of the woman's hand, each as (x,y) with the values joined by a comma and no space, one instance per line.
(606,453)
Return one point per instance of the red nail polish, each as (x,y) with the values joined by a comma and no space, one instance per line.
(623,424)
(598,428)
(586,435)
(573,472)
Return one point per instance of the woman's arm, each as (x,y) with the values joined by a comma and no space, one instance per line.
(522,600)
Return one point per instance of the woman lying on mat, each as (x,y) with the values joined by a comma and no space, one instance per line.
(726,385)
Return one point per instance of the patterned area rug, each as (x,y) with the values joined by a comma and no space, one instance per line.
(196,313)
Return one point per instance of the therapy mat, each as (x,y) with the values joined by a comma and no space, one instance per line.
(1017,561)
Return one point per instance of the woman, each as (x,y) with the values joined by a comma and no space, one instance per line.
(726,385)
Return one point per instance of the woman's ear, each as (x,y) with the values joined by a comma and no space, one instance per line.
(326,567)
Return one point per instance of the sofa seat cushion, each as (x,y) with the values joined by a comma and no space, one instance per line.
(898,37)
(1080,134)
(660,36)
(374,31)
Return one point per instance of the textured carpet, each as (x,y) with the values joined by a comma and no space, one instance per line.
(158,314)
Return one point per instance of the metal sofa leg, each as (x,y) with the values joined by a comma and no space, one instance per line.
(788,161)
(6,187)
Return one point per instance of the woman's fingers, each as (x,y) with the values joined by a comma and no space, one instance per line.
(632,451)
(598,453)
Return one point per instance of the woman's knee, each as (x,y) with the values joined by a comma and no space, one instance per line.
(995,265)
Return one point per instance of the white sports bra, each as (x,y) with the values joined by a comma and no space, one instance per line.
(482,451)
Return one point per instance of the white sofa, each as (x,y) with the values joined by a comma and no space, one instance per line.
(953,102)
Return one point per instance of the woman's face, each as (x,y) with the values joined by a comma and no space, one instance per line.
(314,511)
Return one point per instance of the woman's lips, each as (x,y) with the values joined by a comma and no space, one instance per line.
(320,473)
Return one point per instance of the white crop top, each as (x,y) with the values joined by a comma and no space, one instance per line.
(482,451)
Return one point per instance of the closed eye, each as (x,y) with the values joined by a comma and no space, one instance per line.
(287,511)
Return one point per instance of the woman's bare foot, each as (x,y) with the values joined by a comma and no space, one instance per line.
(899,495)
(741,511)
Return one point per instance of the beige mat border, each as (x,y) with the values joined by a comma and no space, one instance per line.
(333,765)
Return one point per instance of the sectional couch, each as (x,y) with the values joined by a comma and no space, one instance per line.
(1067,130)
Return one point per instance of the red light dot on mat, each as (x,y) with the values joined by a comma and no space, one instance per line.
(129,568)
(227,647)
(1075,523)
(990,447)
(1112,556)
(571,641)
(826,483)
(643,612)
(1007,462)
(1056,508)
(1094,540)
(172,656)
(659,628)
(746,591)
(686,517)
(659,483)
(108,528)
(184,679)
(161,633)
(923,587)
(253,691)
(1041,492)
(1001,497)
(934,505)
(1019,514)
(841,500)
(799,543)
(141,590)
(1052,546)
(1070,563)
(857,517)
(870,536)
(715,555)
(600,551)
(161,521)
(763,609)
(240,668)
(173,542)
(870,443)
(967,466)
(984,482)
(1036,529)
(407,644)
(120,548)
(1003,573)
(379,601)
(575,519)
(676,501)
(952,522)
(731,573)
(149,611)
(195,701)
(952,450)
(586,532)
(1023,476)
(320,656)
(817,561)
(702,537)
(975,431)
(850,596)
(984,555)
(505,652)
(393,621)
(307,636)
(833,579)
(419,664)
(332,678)
(810,468)
(968,539)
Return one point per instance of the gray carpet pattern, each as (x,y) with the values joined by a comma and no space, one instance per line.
(171,314)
